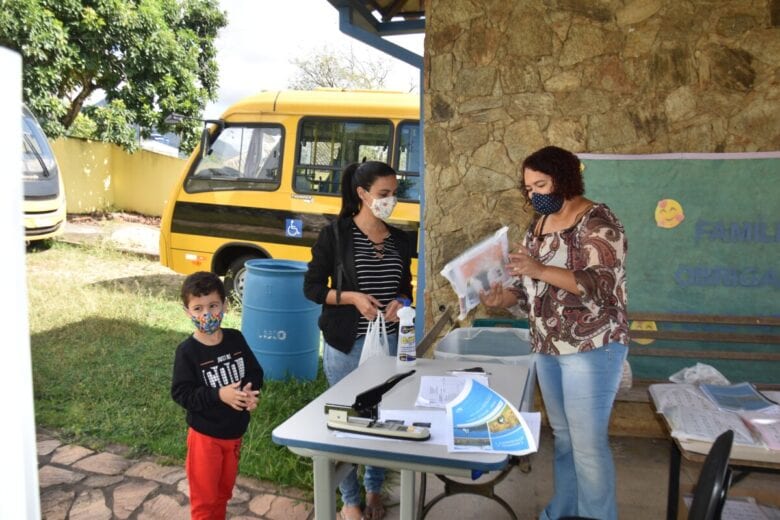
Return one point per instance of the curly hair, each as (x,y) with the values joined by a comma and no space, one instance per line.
(563,166)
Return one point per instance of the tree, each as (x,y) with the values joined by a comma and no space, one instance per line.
(339,69)
(150,57)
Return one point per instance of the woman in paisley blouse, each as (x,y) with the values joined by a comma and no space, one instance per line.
(570,279)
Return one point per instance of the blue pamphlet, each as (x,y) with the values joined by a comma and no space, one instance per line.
(740,397)
(481,420)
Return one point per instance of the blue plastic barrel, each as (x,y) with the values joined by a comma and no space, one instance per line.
(278,321)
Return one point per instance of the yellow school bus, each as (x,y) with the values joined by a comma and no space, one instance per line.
(266,177)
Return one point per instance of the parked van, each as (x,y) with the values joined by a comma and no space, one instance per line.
(44,192)
(266,177)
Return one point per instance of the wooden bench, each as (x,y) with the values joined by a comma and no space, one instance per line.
(741,332)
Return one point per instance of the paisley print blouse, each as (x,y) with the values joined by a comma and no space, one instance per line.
(561,322)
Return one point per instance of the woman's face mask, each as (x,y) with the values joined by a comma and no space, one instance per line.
(541,188)
(383,208)
(547,203)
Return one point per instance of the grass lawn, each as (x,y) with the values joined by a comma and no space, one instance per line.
(103,330)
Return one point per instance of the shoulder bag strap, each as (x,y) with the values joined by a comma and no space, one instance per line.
(339,263)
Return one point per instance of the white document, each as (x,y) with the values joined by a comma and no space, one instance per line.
(481,420)
(735,509)
(739,509)
(766,424)
(772,395)
(437,391)
(771,513)
(668,395)
(706,425)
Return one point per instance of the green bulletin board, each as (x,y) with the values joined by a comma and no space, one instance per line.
(703,238)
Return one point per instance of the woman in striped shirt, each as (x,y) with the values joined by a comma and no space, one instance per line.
(360,266)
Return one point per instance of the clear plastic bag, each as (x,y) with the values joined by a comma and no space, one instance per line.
(698,374)
(477,268)
(376,343)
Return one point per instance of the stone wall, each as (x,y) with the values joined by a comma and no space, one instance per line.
(504,78)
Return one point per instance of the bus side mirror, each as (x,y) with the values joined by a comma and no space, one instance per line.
(204,142)
(206,137)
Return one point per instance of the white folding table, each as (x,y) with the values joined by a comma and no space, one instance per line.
(306,434)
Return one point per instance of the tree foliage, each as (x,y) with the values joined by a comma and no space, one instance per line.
(150,57)
(333,68)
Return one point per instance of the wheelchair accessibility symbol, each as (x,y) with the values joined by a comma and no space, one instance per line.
(293,227)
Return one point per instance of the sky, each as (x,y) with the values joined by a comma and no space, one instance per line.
(255,49)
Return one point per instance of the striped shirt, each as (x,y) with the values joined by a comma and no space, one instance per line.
(378,272)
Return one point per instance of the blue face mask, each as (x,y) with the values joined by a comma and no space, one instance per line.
(547,203)
(208,324)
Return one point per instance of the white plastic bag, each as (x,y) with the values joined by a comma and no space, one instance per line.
(376,343)
(698,374)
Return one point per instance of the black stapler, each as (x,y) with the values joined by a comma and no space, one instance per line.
(362,417)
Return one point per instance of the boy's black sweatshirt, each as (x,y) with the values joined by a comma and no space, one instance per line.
(199,371)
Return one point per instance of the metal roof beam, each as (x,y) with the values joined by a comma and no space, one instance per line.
(363,17)
(401,27)
(374,39)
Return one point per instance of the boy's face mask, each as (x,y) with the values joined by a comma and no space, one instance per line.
(208,323)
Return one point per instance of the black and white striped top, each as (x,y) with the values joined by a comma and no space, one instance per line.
(378,273)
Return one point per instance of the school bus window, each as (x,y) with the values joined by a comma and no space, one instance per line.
(326,146)
(241,158)
(408,161)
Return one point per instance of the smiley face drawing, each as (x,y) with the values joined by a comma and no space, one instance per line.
(643,325)
(668,213)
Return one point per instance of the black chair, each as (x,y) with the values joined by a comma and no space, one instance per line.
(714,480)
(713,485)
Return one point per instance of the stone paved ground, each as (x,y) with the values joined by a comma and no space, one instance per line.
(79,484)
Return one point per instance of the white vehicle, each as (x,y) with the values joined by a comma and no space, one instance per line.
(44,191)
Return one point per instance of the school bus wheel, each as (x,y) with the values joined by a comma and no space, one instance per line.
(236,276)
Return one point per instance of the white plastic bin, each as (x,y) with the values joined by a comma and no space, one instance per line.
(492,345)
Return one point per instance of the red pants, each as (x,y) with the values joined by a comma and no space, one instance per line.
(212,466)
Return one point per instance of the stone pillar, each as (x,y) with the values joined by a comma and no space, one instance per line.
(504,78)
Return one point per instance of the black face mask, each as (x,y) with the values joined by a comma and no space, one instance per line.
(547,203)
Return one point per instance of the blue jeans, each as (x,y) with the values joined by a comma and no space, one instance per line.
(337,365)
(578,392)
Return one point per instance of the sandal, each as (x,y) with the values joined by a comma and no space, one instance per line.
(375,509)
(355,514)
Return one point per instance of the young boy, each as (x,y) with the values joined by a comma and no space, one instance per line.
(216,378)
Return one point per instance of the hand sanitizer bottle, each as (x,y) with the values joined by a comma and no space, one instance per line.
(407,345)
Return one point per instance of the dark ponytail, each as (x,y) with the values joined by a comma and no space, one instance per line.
(363,175)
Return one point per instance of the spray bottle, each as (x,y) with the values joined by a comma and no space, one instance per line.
(407,347)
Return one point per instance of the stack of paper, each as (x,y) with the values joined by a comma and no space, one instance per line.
(701,413)
(743,508)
